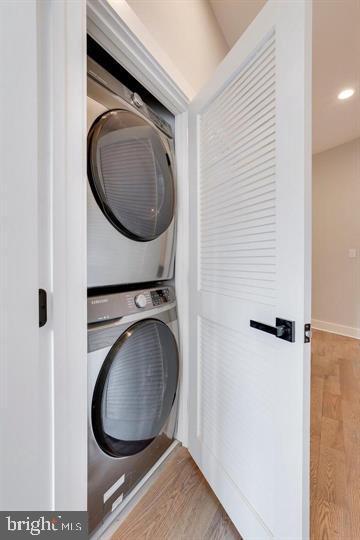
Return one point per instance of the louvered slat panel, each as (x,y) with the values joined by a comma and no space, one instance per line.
(249,110)
(246,237)
(223,413)
(231,240)
(256,100)
(247,195)
(241,158)
(241,224)
(237,188)
(239,169)
(248,144)
(260,172)
(240,83)
(227,141)
(260,201)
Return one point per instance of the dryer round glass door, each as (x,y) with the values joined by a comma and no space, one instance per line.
(130,174)
(135,389)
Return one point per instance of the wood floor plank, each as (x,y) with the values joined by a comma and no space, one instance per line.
(332,434)
(329,521)
(314,464)
(335,438)
(332,381)
(201,509)
(351,415)
(349,383)
(179,506)
(332,406)
(320,519)
(221,527)
(331,476)
(353,500)
(317,391)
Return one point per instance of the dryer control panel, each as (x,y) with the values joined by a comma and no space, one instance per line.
(117,305)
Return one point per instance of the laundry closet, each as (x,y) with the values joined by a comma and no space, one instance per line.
(217,186)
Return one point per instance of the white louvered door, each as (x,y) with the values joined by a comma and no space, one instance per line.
(250,172)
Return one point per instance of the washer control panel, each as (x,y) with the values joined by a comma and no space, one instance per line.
(160,296)
(122,304)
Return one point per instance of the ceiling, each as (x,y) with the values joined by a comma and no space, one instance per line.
(336,62)
(234,16)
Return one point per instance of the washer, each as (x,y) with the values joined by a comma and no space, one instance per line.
(131,186)
(133,372)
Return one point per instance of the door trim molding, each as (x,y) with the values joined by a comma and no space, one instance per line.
(114,25)
(63,78)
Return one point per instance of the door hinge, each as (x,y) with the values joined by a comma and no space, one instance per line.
(42,307)
(307,333)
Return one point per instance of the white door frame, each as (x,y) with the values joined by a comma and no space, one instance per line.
(63,79)
(62,213)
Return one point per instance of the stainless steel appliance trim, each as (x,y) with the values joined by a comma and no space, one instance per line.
(104,335)
(150,313)
(111,522)
(101,77)
(130,318)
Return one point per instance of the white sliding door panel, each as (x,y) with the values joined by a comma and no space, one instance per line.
(25,401)
(249,140)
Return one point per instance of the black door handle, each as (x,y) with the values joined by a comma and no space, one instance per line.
(42,307)
(283,330)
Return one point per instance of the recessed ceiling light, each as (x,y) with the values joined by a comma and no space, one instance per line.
(346,94)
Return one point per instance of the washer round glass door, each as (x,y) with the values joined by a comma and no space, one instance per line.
(135,389)
(130,174)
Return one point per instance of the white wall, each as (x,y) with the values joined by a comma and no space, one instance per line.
(188,32)
(336,229)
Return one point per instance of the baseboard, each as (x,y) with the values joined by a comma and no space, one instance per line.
(336,328)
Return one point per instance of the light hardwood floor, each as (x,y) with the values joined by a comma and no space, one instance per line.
(179,506)
(335,437)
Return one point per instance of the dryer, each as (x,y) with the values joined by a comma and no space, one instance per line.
(133,372)
(131,186)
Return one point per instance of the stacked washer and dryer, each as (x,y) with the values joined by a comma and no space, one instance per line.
(133,360)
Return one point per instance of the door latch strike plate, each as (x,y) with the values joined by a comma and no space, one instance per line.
(307,333)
